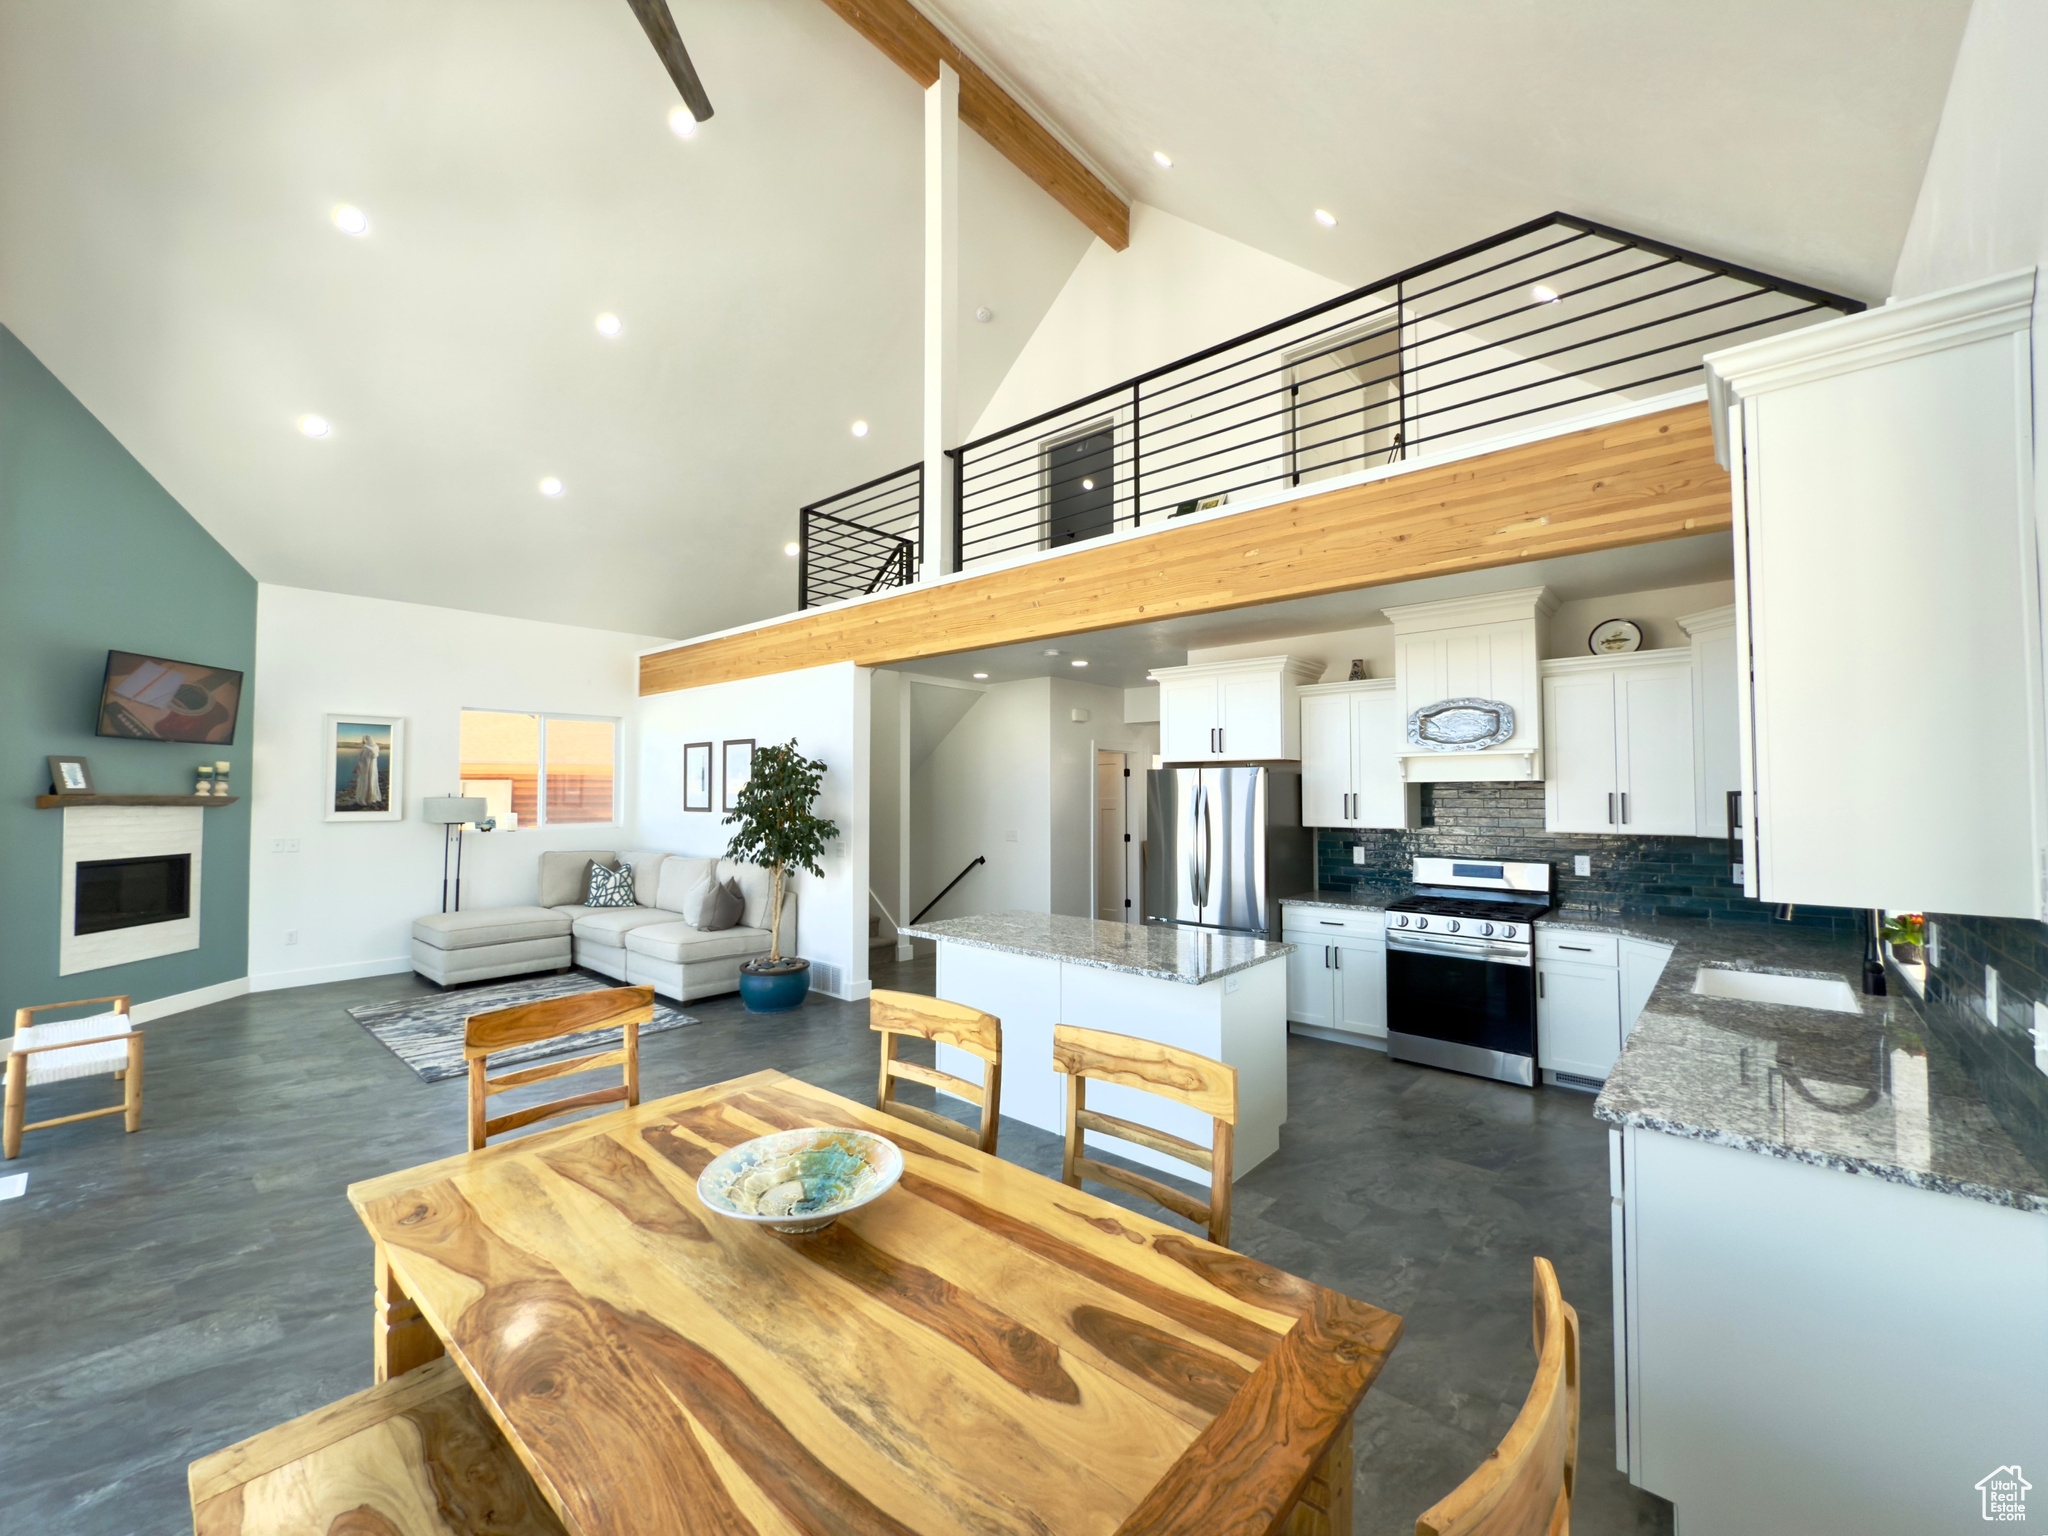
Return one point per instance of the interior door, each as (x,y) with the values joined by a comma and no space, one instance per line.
(1187,719)
(1326,779)
(1653,728)
(1081,488)
(1361,999)
(1111,825)
(1579,790)
(1249,709)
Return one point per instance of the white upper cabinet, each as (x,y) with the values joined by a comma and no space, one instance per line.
(1716,742)
(1887,602)
(1351,745)
(1233,711)
(1618,745)
(1481,648)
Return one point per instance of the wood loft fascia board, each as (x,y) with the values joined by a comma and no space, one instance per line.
(1634,481)
(916,45)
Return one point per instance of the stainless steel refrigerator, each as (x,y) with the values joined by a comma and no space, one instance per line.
(1225,845)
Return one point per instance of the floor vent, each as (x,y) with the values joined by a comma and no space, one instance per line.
(827,979)
(1581,1084)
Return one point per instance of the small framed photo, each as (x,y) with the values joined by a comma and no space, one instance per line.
(697,776)
(739,767)
(365,773)
(70,776)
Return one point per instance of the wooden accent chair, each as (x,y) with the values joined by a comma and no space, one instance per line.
(1209,1086)
(503,1028)
(896,1014)
(417,1454)
(49,1053)
(1525,1487)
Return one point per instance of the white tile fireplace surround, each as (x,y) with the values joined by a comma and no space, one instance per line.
(125,832)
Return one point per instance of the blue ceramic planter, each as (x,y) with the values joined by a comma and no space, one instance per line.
(775,991)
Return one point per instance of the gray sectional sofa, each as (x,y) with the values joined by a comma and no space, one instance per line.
(647,944)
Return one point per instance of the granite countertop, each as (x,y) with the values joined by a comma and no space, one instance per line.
(1190,955)
(1871,1093)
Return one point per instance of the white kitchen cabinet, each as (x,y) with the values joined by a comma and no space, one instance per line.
(1885,508)
(1578,1017)
(1337,975)
(1481,648)
(1618,744)
(1351,742)
(1716,738)
(1233,711)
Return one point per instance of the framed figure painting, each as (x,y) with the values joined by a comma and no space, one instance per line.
(739,767)
(697,776)
(365,768)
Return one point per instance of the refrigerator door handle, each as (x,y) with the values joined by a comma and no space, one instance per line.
(1207,840)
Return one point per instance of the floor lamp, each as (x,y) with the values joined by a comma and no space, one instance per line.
(452,813)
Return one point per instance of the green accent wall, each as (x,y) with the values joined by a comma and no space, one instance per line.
(96,556)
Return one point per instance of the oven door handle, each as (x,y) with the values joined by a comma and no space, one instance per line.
(1460,949)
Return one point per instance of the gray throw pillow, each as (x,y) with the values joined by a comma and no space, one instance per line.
(711,906)
(610,887)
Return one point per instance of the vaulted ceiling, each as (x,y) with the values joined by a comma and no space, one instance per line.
(168,171)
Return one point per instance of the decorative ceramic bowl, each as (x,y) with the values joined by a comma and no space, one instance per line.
(800,1181)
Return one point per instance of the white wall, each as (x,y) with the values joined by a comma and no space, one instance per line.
(1072,783)
(1564,634)
(988,782)
(1983,205)
(825,710)
(1176,289)
(887,700)
(352,890)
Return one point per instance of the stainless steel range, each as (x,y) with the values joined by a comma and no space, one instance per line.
(1461,975)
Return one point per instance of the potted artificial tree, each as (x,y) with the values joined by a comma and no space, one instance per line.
(778,829)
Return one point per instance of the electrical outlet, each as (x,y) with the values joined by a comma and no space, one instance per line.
(2041,1036)
(284,845)
(1358,853)
(1582,864)
(1232,983)
(1080,716)
(291,935)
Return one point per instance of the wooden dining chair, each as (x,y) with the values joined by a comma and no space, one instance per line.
(102,1044)
(1206,1085)
(503,1028)
(1525,1487)
(896,1014)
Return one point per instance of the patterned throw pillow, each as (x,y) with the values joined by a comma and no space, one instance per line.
(610,887)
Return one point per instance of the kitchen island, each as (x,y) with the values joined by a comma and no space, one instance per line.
(1221,995)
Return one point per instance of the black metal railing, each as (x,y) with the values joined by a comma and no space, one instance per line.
(977,859)
(862,540)
(1552,319)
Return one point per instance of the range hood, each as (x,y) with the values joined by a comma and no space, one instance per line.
(1465,675)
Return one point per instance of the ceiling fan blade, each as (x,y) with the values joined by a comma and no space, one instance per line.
(661,31)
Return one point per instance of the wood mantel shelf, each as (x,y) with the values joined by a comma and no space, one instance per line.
(205,802)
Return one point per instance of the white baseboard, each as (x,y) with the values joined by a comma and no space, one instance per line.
(314,975)
(179,1002)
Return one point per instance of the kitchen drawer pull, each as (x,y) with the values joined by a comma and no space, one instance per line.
(1610,810)
(1624,807)
(1584,949)
(1328,924)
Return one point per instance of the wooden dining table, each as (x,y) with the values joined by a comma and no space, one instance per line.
(982,1349)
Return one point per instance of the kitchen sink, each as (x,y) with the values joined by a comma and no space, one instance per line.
(1829,992)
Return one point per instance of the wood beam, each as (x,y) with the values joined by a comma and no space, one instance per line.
(908,37)
(1630,482)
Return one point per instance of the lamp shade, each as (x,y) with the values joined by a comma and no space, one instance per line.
(450,810)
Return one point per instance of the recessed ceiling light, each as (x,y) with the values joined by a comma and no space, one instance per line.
(1052,653)
(314,426)
(351,220)
(551,486)
(1078,661)
(1326,218)
(1543,295)
(1164,160)
(860,429)
(608,325)
(681,124)
(790,549)
(1087,485)
(981,677)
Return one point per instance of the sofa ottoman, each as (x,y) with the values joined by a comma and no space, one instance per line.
(449,948)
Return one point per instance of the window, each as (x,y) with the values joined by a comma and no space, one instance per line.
(540,770)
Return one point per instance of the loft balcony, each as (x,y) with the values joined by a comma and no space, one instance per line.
(1557,319)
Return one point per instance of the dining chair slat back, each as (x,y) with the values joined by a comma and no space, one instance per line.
(1525,1487)
(623,1008)
(896,1014)
(1197,1081)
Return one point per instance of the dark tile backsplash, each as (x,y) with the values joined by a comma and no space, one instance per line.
(1998,1053)
(1682,877)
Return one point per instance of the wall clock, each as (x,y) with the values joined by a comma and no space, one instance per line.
(1613,637)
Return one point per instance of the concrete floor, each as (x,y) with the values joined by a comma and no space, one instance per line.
(171,1292)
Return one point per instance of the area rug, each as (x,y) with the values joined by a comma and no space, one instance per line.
(426,1032)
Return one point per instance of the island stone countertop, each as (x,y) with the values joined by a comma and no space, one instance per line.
(1190,955)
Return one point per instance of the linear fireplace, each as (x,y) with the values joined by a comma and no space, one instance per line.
(128,893)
